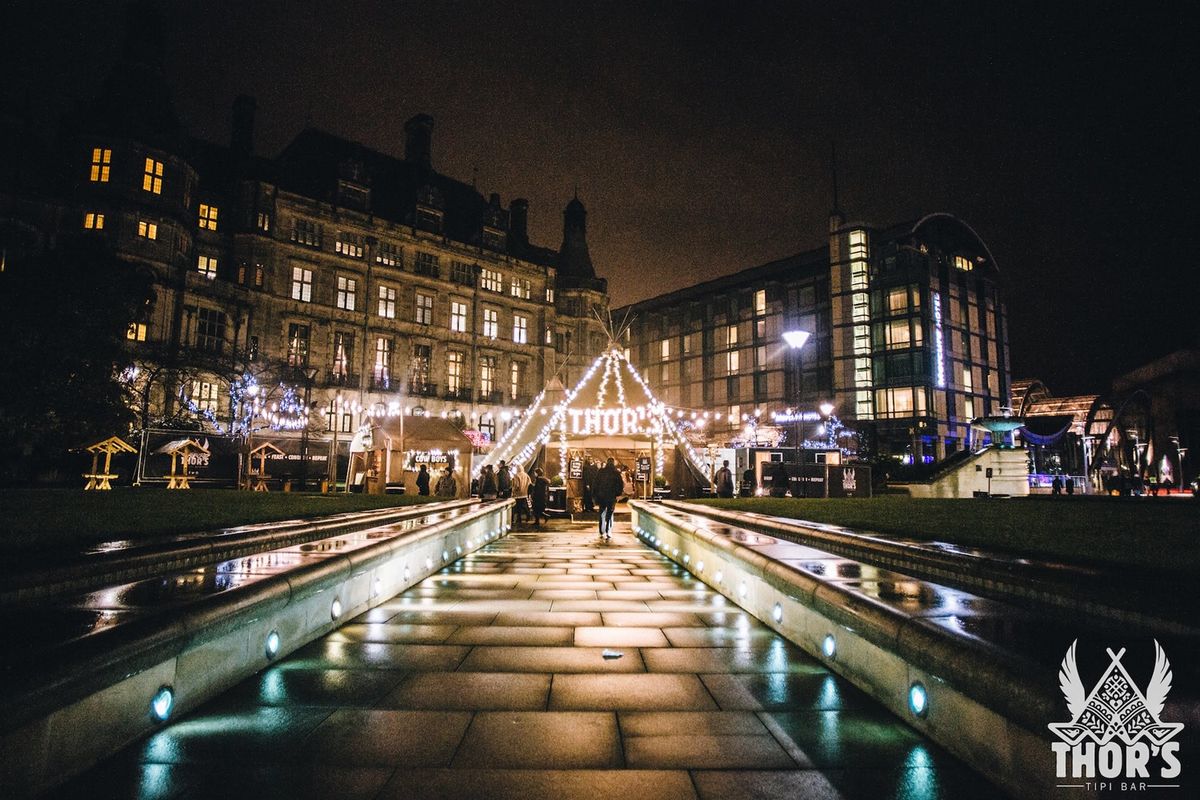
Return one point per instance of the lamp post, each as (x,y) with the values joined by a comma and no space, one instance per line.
(795,340)
(310,375)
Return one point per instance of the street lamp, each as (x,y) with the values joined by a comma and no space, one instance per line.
(310,375)
(796,339)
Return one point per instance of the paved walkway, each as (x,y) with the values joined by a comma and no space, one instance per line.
(548,664)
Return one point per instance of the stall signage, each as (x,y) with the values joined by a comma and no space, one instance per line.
(606,421)
(575,469)
(643,468)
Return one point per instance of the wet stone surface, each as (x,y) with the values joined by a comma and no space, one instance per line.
(490,679)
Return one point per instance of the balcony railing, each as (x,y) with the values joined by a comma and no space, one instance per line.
(491,397)
(341,378)
(422,389)
(462,393)
(381,383)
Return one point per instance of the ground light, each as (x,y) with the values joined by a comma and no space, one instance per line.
(445,555)
(829,646)
(777,613)
(162,703)
(272,647)
(335,609)
(428,563)
(918,699)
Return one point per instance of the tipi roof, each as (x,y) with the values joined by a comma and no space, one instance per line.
(611,404)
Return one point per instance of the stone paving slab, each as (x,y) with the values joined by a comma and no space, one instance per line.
(489,679)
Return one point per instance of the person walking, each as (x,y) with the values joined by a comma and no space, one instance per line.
(503,481)
(447,486)
(1056,485)
(487,483)
(1070,485)
(724,480)
(609,485)
(539,493)
(423,481)
(590,471)
(520,492)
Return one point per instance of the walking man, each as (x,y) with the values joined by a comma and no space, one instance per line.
(520,492)
(606,490)
(503,481)
(539,493)
(423,480)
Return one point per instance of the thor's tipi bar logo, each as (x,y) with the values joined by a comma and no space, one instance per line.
(1116,731)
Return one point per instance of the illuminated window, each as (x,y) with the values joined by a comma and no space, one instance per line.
(297,345)
(491,323)
(858,245)
(424,309)
(207,266)
(731,336)
(93,221)
(487,426)
(210,330)
(347,288)
(549,336)
(208,217)
(454,371)
(898,334)
(664,349)
(147,230)
(458,316)
(381,376)
(343,354)
(897,300)
(963,263)
(204,396)
(152,177)
(302,283)
(760,302)
(491,280)
(263,221)
(387,302)
(902,402)
(349,244)
(968,408)
(516,380)
(520,329)
(389,255)
(419,368)
(260,275)
(101,163)
(966,379)
(337,415)
(521,288)
(733,362)
(136,332)
(487,374)
(549,295)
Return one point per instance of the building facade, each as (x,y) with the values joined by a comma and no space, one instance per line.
(358,279)
(901,329)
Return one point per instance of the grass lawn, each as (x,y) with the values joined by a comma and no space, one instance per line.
(47,519)
(1157,533)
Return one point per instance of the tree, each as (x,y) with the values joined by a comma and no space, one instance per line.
(64,314)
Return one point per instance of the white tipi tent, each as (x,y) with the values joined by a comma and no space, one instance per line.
(611,407)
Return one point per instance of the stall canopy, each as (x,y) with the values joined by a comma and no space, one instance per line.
(611,408)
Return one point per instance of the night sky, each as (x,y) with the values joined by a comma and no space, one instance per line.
(699,134)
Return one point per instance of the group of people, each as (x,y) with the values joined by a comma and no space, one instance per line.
(531,492)
(591,472)
(1057,485)
(447,484)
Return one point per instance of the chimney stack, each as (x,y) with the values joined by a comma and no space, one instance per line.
(241,138)
(518,220)
(418,140)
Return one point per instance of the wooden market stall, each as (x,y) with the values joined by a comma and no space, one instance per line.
(180,451)
(260,477)
(100,479)
(397,446)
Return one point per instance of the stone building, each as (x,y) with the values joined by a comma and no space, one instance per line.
(901,329)
(354,276)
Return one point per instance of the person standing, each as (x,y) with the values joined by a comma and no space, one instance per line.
(520,492)
(487,483)
(1070,486)
(446,485)
(539,493)
(423,481)
(589,479)
(609,485)
(503,481)
(724,480)
(1056,485)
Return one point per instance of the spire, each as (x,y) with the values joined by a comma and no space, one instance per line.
(574,261)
